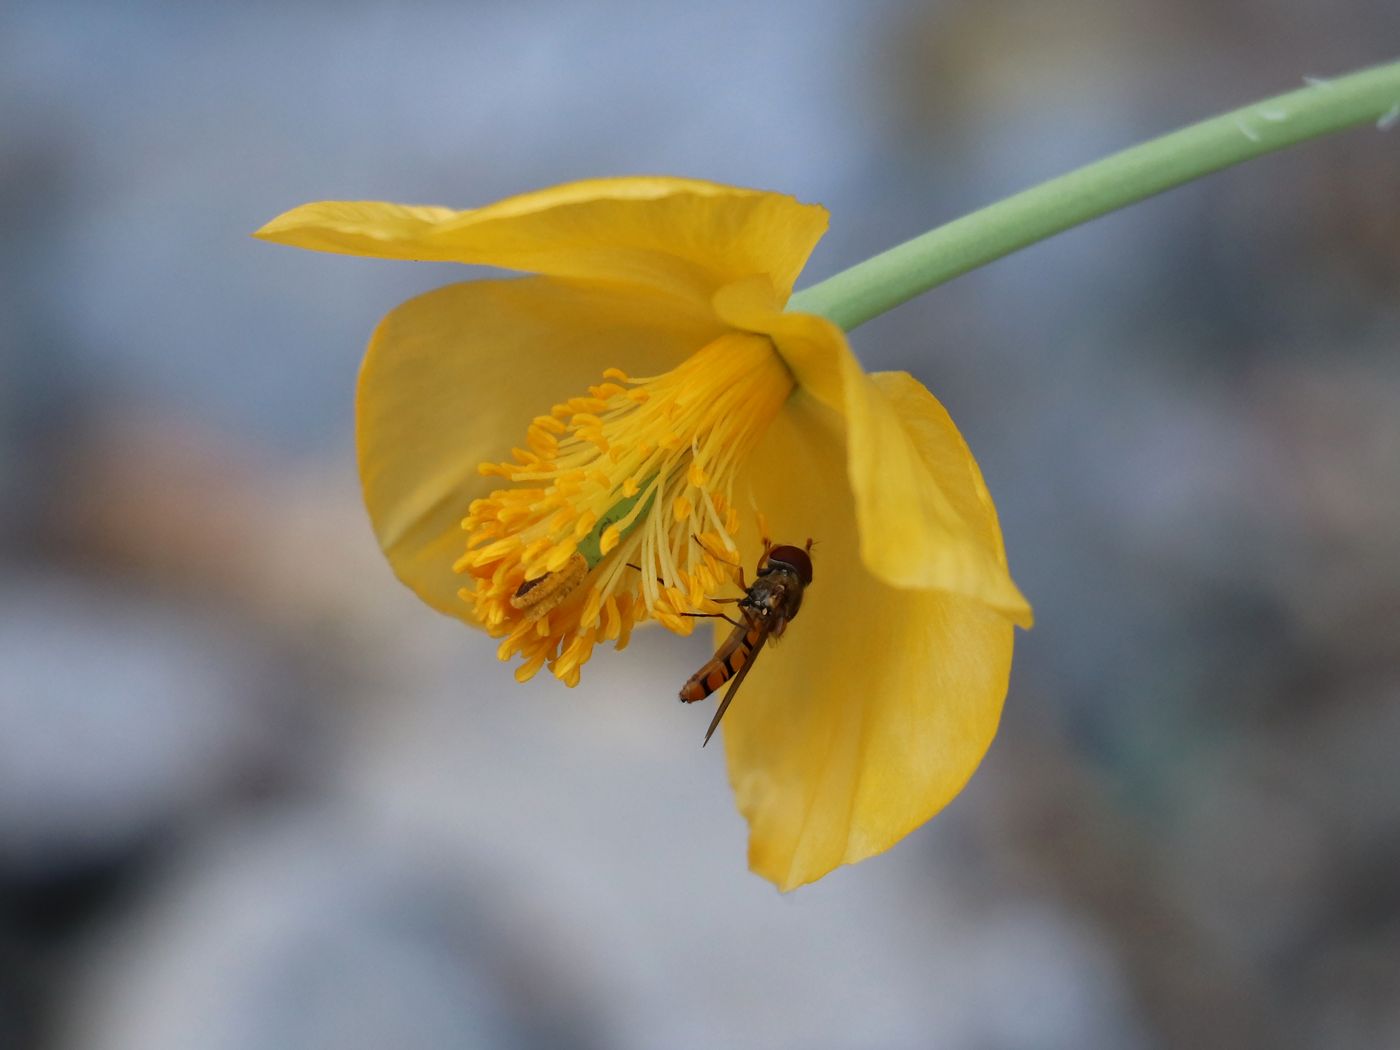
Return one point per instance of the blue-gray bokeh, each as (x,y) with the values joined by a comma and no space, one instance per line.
(254,797)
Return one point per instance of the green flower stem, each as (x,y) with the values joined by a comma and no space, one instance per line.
(868,289)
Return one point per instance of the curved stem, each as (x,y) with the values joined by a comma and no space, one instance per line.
(868,289)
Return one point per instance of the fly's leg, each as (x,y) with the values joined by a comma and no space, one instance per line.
(763,560)
(724,561)
(716,616)
(743,583)
(634,565)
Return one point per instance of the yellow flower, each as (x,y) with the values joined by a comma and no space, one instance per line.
(664,405)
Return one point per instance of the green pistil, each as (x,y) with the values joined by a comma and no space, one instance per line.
(591,546)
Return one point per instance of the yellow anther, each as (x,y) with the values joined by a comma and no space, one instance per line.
(512,643)
(549,423)
(696,475)
(677,624)
(557,558)
(611,537)
(543,446)
(592,606)
(624,634)
(612,619)
(682,508)
(535,548)
(496,550)
(541,439)
(574,656)
(616,373)
(562,519)
(481,534)
(510,516)
(531,667)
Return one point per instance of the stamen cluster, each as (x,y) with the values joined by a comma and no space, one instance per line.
(622,507)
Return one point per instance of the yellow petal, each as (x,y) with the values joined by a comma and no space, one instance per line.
(683,236)
(878,703)
(376,228)
(454,377)
(942,455)
(926,519)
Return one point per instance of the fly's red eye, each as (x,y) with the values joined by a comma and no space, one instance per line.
(795,558)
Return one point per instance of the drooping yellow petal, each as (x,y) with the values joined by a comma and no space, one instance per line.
(925,518)
(452,377)
(941,454)
(878,703)
(683,236)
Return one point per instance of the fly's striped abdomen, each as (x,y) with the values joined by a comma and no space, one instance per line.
(736,651)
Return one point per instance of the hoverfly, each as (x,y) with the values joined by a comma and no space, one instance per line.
(784,573)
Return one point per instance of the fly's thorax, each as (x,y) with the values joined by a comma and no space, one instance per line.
(776,595)
(622,507)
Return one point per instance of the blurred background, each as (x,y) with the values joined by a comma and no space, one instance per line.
(253,795)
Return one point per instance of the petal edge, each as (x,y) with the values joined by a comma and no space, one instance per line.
(682,236)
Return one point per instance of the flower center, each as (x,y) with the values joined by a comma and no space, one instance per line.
(622,507)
